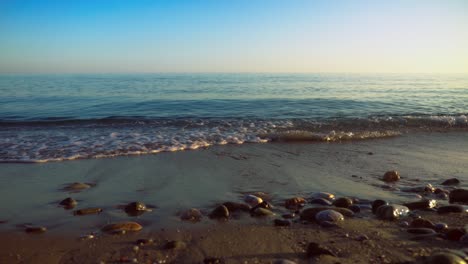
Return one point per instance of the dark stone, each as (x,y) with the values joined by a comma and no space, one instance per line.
(295,203)
(321,201)
(452,181)
(444,258)
(355,208)
(235,207)
(343,202)
(458,196)
(68,203)
(376,204)
(362,238)
(391,212)
(280,222)
(289,216)
(440,227)
(87,211)
(439,190)
(314,249)
(192,215)
(220,212)
(420,231)
(328,224)
(309,213)
(455,234)
(35,229)
(391,176)
(135,208)
(261,212)
(422,223)
(424,204)
(450,209)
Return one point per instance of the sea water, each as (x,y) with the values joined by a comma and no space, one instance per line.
(63,117)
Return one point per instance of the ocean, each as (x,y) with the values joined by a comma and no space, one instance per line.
(83,116)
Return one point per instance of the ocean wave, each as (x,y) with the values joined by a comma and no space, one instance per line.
(59,140)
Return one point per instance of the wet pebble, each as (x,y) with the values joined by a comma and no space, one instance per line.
(439,227)
(419,205)
(88,211)
(261,212)
(35,229)
(420,231)
(314,249)
(68,203)
(391,176)
(252,200)
(355,208)
(321,201)
(136,208)
(444,258)
(328,224)
(458,196)
(280,222)
(329,216)
(220,212)
(192,215)
(452,181)
(236,207)
(422,223)
(450,209)
(323,195)
(122,226)
(294,203)
(77,186)
(391,212)
(343,202)
(376,204)
(288,216)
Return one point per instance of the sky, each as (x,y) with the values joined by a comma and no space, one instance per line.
(116,36)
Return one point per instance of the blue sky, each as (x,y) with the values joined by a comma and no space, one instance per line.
(233,36)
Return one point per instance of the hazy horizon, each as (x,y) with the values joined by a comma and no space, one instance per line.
(112,37)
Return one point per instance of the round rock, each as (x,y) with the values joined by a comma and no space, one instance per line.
(252,200)
(343,202)
(68,203)
(450,209)
(294,203)
(376,204)
(135,208)
(220,212)
(445,258)
(452,181)
(122,226)
(192,215)
(321,201)
(391,176)
(323,195)
(391,212)
(329,216)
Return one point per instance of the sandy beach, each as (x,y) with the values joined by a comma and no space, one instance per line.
(171,183)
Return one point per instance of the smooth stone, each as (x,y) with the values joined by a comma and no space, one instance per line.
(428,188)
(452,181)
(455,234)
(261,212)
(88,211)
(445,258)
(391,176)
(122,226)
(175,245)
(280,222)
(310,213)
(329,216)
(284,261)
(252,200)
(314,249)
(355,208)
(192,215)
(135,208)
(327,224)
(422,223)
(458,196)
(68,203)
(450,209)
(220,212)
(294,203)
(236,207)
(264,196)
(440,227)
(343,202)
(35,229)
(376,204)
(321,201)
(420,231)
(77,186)
(424,204)
(391,212)
(323,195)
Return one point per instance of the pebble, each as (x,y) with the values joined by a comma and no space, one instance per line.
(88,211)
(321,201)
(68,203)
(36,229)
(355,208)
(288,216)
(376,204)
(87,237)
(77,186)
(220,212)
(122,226)
(450,209)
(323,195)
(445,258)
(314,249)
(136,208)
(235,207)
(327,224)
(458,196)
(440,227)
(422,223)
(294,203)
(343,202)
(252,200)
(192,215)
(261,212)
(391,176)
(452,181)
(455,234)
(424,204)
(175,245)
(428,188)
(280,222)
(420,231)
(391,212)
(329,215)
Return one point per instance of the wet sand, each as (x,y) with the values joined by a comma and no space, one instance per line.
(173,182)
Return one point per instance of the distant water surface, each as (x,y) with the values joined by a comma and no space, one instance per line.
(61,117)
